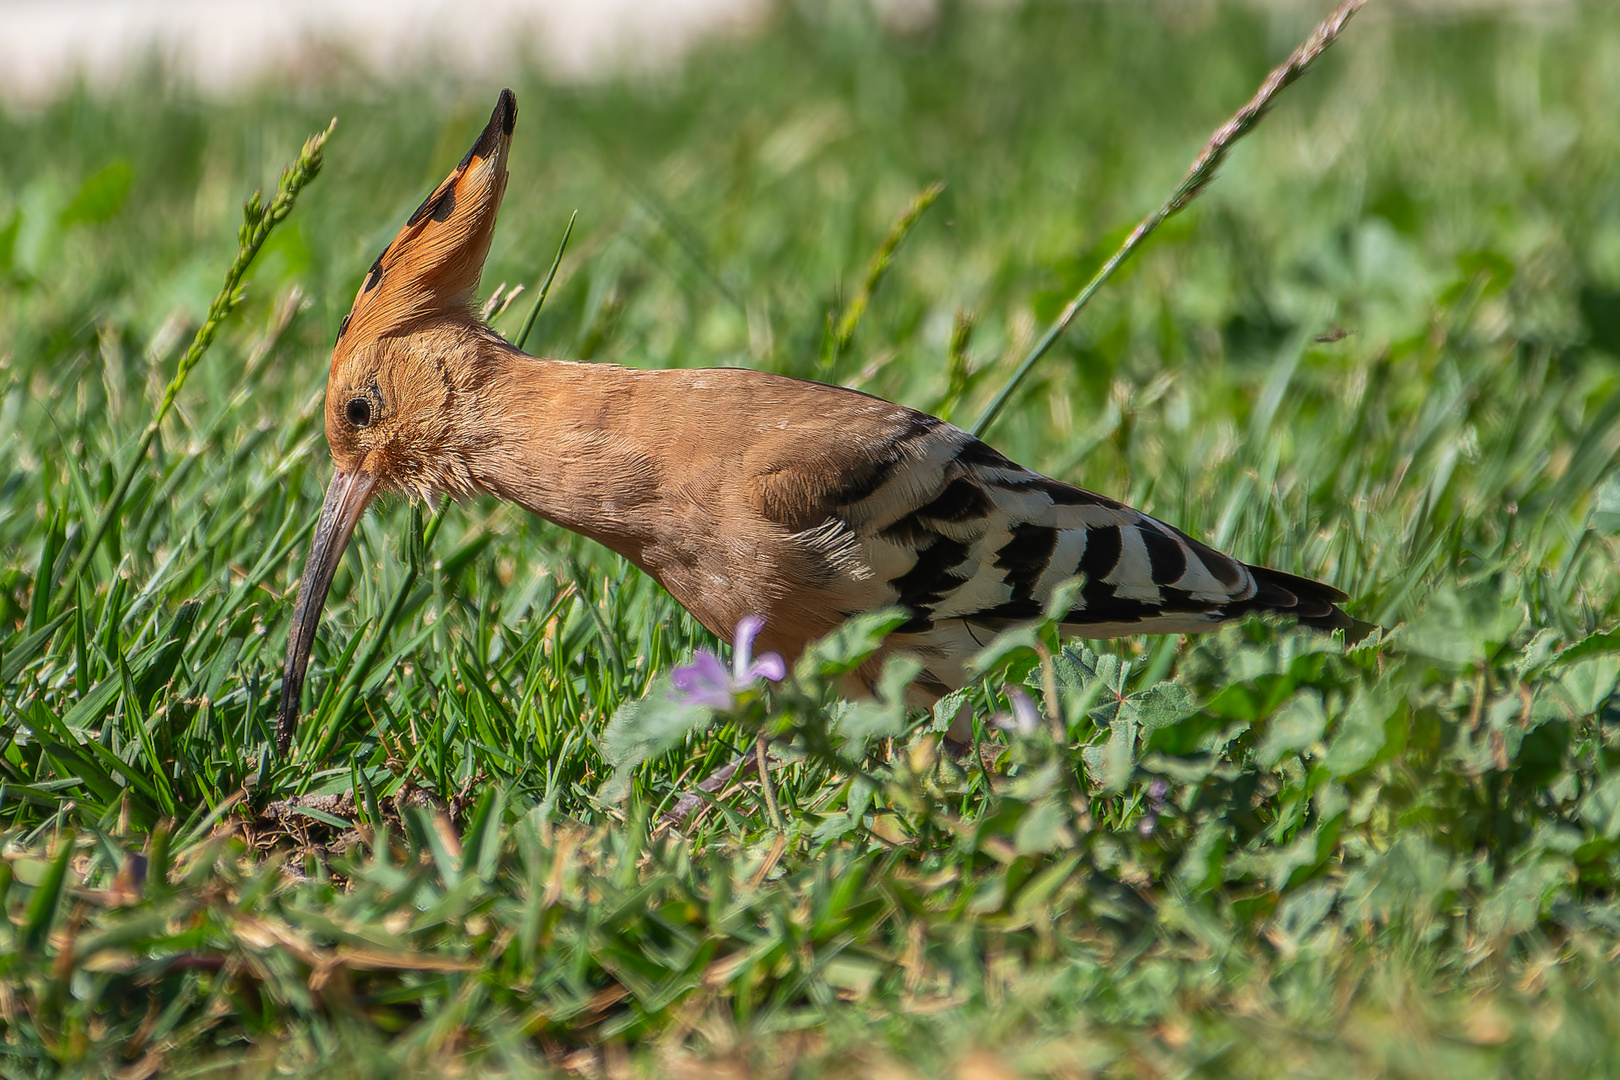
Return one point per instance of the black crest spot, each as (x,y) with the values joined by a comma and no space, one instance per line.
(962,500)
(1166,559)
(1101,554)
(506,109)
(343,327)
(1026,556)
(375,275)
(441,204)
(504,117)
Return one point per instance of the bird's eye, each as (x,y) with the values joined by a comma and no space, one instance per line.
(358,410)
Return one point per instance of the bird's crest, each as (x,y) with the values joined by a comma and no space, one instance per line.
(431,269)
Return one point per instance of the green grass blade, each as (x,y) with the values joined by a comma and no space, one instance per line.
(545,288)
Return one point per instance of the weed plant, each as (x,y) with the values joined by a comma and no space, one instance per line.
(1383,349)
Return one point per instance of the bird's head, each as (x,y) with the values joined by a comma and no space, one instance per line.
(404,353)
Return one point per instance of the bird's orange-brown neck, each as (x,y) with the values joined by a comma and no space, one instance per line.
(558,438)
(667,467)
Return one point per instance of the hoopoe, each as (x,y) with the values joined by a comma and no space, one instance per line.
(742,493)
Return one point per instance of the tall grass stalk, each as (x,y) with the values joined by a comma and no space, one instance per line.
(545,287)
(258,222)
(841,336)
(1198,176)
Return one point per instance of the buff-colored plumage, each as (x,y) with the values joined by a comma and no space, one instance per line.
(739,491)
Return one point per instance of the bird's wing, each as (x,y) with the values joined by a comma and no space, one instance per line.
(936,521)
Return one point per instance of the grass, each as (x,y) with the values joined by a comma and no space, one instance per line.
(1380,349)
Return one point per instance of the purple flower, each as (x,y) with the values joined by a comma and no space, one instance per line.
(1023,720)
(1156,792)
(705,681)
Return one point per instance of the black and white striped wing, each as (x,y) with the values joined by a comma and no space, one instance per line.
(959,533)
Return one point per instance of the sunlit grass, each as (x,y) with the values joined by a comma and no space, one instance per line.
(1380,350)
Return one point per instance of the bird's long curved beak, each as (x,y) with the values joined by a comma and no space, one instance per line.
(346,500)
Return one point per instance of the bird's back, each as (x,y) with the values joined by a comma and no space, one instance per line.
(850,503)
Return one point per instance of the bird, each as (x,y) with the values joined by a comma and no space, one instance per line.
(745,494)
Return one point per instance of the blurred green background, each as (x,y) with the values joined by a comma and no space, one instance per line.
(1383,349)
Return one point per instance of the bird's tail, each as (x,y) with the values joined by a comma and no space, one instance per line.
(1311,602)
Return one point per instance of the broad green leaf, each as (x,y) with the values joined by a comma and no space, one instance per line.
(1161,705)
(1292,728)
(849,646)
(1302,910)
(1516,905)
(1590,682)
(1461,626)
(1362,733)
(946,708)
(1601,808)
(651,725)
(885,717)
(1112,763)
(1044,828)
